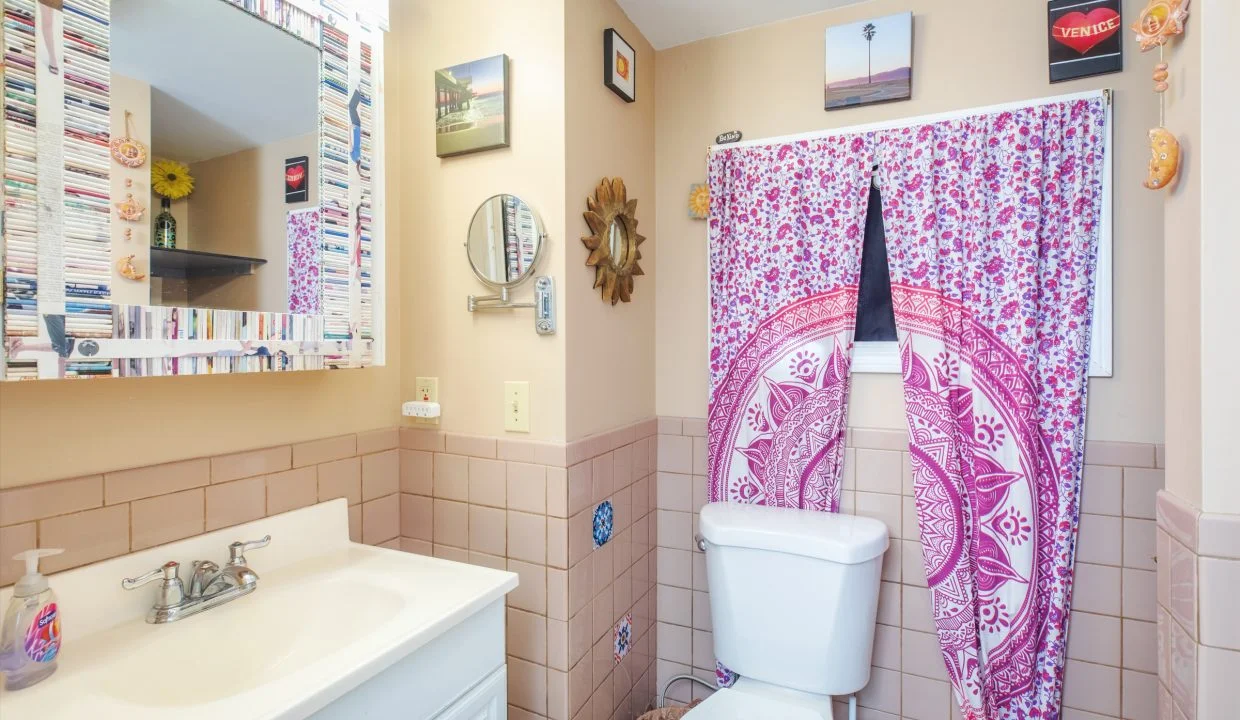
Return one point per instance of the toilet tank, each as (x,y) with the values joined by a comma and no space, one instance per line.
(794,594)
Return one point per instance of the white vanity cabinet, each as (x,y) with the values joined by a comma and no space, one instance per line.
(334,630)
(458,676)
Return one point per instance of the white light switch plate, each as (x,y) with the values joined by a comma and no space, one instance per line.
(517,406)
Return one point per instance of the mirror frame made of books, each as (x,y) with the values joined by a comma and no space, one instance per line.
(55,328)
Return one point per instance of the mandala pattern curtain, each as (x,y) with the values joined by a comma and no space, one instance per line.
(992,224)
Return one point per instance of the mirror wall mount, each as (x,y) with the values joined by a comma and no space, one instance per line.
(59,323)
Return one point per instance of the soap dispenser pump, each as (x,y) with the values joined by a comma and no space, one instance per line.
(30,638)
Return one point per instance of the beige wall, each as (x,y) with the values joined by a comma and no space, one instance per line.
(58,429)
(768,81)
(473,354)
(1182,262)
(135,96)
(610,360)
(238,209)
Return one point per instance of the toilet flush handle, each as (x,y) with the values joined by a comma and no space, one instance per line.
(699,541)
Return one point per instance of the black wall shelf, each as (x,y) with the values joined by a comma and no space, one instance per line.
(189,264)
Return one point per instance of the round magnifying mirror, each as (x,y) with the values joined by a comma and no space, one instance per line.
(505,241)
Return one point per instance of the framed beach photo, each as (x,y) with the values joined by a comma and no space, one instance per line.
(619,65)
(471,106)
(869,62)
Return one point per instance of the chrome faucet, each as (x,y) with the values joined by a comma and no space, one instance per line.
(209,586)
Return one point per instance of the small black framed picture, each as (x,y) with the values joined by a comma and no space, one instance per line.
(297,179)
(619,65)
(1085,37)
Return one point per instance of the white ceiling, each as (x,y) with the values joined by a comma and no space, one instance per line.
(221,79)
(667,23)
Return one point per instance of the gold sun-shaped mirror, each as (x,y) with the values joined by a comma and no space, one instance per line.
(613,241)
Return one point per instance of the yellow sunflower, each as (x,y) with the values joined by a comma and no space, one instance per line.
(699,201)
(171,179)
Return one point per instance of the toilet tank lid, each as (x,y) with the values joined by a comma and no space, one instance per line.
(845,539)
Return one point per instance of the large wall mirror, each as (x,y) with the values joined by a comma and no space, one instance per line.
(192,186)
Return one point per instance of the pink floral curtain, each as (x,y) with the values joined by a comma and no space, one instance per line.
(992,224)
(786,231)
(992,227)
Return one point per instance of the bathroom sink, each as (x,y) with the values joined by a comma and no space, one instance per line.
(248,643)
(327,617)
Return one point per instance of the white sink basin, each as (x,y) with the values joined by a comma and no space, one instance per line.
(327,616)
(247,643)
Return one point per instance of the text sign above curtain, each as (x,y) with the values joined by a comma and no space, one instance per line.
(993,222)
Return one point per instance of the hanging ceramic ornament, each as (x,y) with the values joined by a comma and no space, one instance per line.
(125,266)
(126,150)
(1160,21)
(130,209)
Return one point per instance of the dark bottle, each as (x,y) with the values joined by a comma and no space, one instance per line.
(165,235)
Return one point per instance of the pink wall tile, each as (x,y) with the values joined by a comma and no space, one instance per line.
(488,482)
(248,464)
(1182,602)
(557,492)
(381,519)
(87,537)
(1102,490)
(878,471)
(1100,540)
(145,482)
(487,530)
(527,537)
(375,441)
(325,450)
(422,439)
(1139,547)
(451,480)
(1219,536)
(235,502)
(165,518)
(472,445)
(341,478)
(531,594)
(292,489)
(1119,453)
(924,699)
(33,502)
(526,487)
(15,539)
(1219,589)
(1092,687)
(380,474)
(675,454)
(451,523)
(417,469)
(1178,518)
(1141,486)
(1140,646)
(416,517)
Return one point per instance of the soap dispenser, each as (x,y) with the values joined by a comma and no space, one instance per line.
(30,640)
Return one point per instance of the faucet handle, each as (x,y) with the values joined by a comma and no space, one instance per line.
(171,591)
(236,551)
(167,572)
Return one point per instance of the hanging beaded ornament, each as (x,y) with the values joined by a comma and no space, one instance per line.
(126,150)
(125,266)
(130,209)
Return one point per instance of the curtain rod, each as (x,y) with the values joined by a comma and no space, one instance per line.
(918,120)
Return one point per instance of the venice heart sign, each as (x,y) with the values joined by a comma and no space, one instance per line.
(1083,31)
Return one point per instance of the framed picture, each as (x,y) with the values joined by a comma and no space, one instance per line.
(1084,38)
(471,106)
(619,65)
(297,179)
(869,62)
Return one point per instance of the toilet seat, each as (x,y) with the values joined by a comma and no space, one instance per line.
(736,704)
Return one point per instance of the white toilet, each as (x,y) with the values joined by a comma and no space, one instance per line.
(793,599)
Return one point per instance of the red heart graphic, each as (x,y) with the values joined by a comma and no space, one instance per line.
(1083,32)
(294,175)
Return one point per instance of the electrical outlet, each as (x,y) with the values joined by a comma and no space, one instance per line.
(426,389)
(517,406)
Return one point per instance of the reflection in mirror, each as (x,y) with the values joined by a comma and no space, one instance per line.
(616,240)
(505,237)
(225,98)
